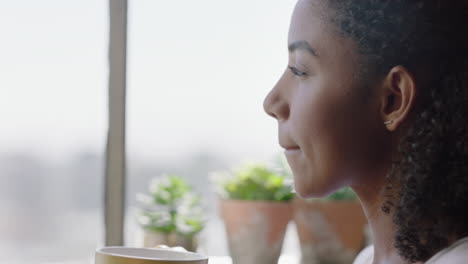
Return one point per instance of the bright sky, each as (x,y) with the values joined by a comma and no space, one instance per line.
(198,73)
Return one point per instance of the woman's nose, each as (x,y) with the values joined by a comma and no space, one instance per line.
(275,104)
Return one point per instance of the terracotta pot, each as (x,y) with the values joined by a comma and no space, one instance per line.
(187,242)
(152,239)
(329,231)
(255,229)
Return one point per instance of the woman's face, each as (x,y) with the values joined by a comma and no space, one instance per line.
(329,122)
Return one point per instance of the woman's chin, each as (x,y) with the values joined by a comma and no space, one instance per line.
(306,191)
(315,187)
(309,182)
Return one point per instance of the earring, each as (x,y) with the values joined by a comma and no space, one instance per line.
(388,122)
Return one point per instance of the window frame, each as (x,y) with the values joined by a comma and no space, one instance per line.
(115,169)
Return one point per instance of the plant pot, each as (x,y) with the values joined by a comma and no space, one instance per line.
(330,232)
(153,239)
(186,241)
(255,229)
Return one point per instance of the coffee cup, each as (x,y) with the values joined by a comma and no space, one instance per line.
(130,255)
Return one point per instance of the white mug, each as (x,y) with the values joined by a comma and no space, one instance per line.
(129,255)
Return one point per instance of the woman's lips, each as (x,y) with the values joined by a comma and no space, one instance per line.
(291,150)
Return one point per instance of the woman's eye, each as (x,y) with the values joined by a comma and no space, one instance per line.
(297,72)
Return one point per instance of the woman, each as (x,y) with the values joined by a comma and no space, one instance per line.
(375,97)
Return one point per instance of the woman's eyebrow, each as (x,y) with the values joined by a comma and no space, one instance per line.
(303,45)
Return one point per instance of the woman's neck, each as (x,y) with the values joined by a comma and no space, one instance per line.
(373,197)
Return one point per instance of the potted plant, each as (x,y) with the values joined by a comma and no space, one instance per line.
(331,230)
(171,215)
(255,206)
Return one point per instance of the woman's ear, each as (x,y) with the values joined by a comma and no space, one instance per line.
(398,97)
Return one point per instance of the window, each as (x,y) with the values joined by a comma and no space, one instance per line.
(197,75)
(53,114)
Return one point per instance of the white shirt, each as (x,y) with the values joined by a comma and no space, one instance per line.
(457,253)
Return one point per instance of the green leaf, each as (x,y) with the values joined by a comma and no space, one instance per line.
(344,194)
(172,207)
(256,182)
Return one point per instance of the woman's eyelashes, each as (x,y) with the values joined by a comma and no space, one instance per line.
(297,72)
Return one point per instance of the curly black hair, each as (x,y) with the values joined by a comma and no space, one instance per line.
(430,39)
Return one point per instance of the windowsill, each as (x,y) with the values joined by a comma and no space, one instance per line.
(284,259)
